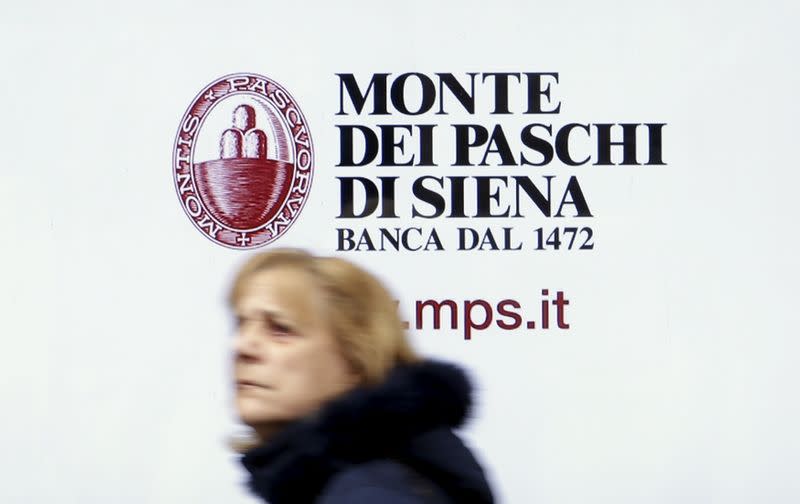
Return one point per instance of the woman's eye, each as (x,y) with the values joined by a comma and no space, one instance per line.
(279,329)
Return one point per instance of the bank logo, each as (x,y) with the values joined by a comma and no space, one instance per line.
(243,161)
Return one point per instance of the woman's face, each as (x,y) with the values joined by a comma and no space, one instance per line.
(287,361)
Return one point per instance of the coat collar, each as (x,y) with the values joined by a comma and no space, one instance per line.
(368,423)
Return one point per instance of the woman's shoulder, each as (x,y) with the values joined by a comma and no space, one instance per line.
(381,481)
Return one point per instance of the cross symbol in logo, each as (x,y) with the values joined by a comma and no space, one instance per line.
(243,240)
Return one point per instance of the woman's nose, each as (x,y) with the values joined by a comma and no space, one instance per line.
(247,344)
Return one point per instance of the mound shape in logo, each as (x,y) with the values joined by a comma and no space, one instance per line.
(243,161)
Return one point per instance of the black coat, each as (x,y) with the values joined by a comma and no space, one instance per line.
(388,444)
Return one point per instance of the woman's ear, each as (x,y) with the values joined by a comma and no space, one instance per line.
(355,377)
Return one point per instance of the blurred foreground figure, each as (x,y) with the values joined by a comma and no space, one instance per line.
(344,412)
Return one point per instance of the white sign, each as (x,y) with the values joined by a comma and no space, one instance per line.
(589,206)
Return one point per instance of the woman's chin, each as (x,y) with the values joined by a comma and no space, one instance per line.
(253,413)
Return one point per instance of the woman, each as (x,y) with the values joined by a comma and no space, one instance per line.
(343,410)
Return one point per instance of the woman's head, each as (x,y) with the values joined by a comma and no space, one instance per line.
(309,329)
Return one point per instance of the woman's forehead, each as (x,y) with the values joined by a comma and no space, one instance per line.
(285,289)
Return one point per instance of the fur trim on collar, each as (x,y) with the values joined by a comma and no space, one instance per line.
(365,424)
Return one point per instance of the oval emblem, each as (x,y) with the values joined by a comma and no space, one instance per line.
(243,161)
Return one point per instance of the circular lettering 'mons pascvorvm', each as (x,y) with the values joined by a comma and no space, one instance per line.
(243,161)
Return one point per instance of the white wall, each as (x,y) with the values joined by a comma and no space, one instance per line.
(676,380)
